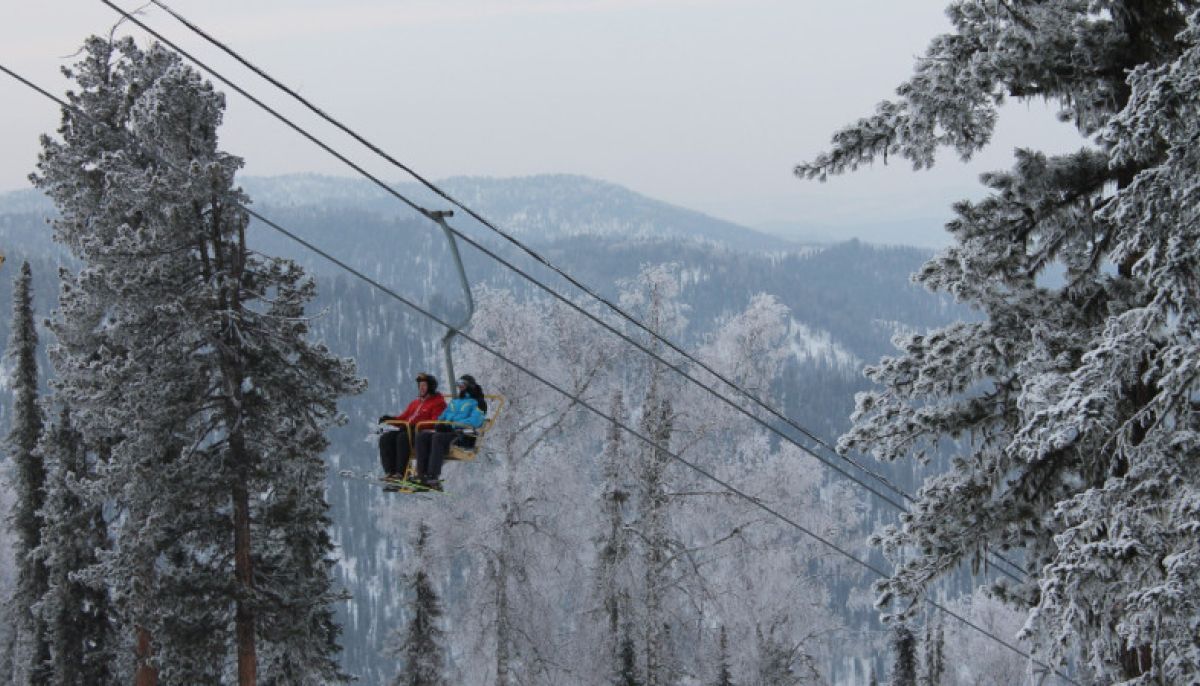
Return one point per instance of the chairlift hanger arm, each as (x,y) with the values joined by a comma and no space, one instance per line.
(439,217)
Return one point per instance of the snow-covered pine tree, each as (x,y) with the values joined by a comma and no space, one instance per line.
(185,353)
(1073,405)
(423,651)
(904,656)
(82,642)
(31,646)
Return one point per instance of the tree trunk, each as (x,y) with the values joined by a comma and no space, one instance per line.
(1135,662)
(655,522)
(503,611)
(145,674)
(243,568)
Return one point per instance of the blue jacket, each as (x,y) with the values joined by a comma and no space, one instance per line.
(463,410)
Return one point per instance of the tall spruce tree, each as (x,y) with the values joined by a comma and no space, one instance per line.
(31,646)
(82,644)
(1073,405)
(185,352)
(423,650)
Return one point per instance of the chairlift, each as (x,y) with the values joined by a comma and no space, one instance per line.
(458,452)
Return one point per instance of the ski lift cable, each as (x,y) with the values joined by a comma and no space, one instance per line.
(437,217)
(755,502)
(490,225)
(1019,576)
(507,236)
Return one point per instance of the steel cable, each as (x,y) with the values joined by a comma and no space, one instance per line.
(1016,577)
(755,502)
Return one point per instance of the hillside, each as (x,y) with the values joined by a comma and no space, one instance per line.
(845,302)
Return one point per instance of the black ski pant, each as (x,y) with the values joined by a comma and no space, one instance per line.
(431,448)
(394,449)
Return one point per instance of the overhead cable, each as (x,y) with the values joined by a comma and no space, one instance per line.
(506,235)
(575,398)
(1016,577)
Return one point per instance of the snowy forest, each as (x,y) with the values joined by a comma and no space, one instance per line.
(730,459)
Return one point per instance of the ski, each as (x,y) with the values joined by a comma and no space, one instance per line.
(389,485)
(405,486)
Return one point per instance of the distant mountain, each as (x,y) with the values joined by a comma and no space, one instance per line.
(542,208)
(27,201)
(924,232)
(545,207)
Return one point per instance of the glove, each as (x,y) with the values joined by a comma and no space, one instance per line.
(384,418)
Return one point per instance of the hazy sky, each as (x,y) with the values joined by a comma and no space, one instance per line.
(702,103)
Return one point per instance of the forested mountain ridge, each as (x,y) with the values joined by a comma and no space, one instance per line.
(540,208)
(844,302)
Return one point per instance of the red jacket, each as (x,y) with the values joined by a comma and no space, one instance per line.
(424,409)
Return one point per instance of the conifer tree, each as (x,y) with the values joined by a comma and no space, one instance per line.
(75,614)
(423,650)
(31,647)
(904,656)
(1073,402)
(185,352)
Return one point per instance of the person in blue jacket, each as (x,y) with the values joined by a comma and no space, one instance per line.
(433,443)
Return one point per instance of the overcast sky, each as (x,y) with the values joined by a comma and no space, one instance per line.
(707,104)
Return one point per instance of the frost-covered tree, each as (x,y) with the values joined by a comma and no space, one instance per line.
(423,650)
(82,644)
(615,581)
(779,607)
(653,523)
(185,354)
(528,540)
(655,293)
(971,657)
(31,645)
(1072,401)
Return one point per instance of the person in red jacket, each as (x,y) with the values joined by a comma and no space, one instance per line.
(396,446)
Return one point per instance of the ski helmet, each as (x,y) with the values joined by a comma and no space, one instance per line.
(430,381)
